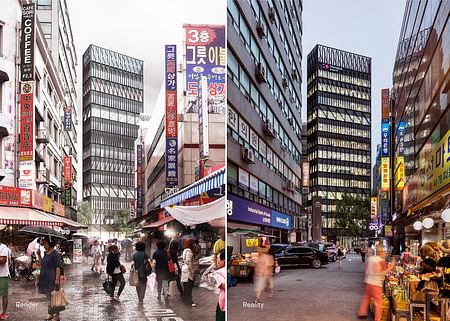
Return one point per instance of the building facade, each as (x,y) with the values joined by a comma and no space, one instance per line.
(421,91)
(113,99)
(339,129)
(264,116)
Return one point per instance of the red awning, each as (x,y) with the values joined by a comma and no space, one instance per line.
(26,216)
(160,222)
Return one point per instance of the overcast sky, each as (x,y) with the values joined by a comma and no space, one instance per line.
(139,28)
(366,27)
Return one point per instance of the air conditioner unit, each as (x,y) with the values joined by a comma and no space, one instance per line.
(260,73)
(261,29)
(294,75)
(272,14)
(292,99)
(248,156)
(291,185)
(268,129)
(72,90)
(283,147)
(293,13)
(291,120)
(299,136)
(285,83)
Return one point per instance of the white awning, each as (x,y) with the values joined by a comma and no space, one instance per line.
(192,215)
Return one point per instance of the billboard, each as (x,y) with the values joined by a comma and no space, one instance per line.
(27,174)
(385,105)
(374,208)
(13,196)
(385,173)
(206,56)
(171,154)
(385,139)
(26,137)
(27,43)
(203,119)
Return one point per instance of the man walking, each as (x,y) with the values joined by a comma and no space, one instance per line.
(363,253)
(4,278)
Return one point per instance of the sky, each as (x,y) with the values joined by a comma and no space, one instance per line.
(366,27)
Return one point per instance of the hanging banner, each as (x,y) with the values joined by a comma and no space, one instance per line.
(27,174)
(385,140)
(27,43)
(68,118)
(171,117)
(139,181)
(385,173)
(374,208)
(401,137)
(385,105)
(400,173)
(206,56)
(68,169)
(305,174)
(26,137)
(203,118)
(77,250)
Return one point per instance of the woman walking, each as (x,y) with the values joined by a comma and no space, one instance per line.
(188,272)
(221,275)
(140,259)
(116,271)
(51,266)
(96,252)
(173,251)
(163,276)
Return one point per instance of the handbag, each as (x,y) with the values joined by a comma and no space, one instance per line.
(134,277)
(123,269)
(107,286)
(58,299)
(170,264)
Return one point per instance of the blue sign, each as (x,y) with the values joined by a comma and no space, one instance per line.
(243,210)
(171,67)
(68,118)
(385,140)
(171,162)
(401,137)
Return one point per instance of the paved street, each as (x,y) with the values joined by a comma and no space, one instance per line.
(88,301)
(304,294)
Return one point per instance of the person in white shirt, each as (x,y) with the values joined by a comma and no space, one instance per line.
(4,278)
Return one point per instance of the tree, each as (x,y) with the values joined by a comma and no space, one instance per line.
(121,218)
(352,215)
(84,213)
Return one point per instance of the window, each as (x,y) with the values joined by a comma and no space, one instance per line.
(47,29)
(44,4)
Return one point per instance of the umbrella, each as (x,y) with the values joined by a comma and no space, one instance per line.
(79,235)
(38,230)
(91,240)
(32,246)
(125,242)
(188,236)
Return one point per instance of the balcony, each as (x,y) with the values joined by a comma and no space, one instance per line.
(43,176)
(3,127)
(42,136)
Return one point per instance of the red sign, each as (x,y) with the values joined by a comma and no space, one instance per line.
(171,114)
(385,103)
(200,35)
(68,169)
(26,122)
(13,196)
(58,209)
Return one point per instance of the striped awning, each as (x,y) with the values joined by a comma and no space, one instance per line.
(67,221)
(212,181)
(25,216)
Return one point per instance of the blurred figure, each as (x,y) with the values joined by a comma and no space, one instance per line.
(374,279)
(173,251)
(363,253)
(219,246)
(220,275)
(116,270)
(340,256)
(263,272)
(163,276)
(96,252)
(140,259)
(406,255)
(188,272)
(5,257)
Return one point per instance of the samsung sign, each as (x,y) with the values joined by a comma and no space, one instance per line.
(27,43)
(243,210)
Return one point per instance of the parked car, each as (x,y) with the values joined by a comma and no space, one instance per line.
(277,247)
(301,255)
(328,247)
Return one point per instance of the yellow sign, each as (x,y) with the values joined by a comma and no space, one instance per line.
(47,204)
(387,230)
(373,208)
(251,242)
(400,174)
(385,173)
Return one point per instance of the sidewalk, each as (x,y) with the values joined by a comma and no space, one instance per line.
(88,301)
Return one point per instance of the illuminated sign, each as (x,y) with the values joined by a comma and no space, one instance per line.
(400,174)
(373,208)
(385,174)
(385,104)
(385,139)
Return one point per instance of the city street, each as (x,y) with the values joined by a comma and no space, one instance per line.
(88,301)
(304,294)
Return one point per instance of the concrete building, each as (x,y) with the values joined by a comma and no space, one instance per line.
(339,131)
(113,99)
(264,117)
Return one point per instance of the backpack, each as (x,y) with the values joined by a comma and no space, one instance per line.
(340,253)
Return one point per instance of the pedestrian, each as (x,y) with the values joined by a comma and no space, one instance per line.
(340,256)
(50,277)
(173,251)
(406,256)
(220,275)
(10,260)
(140,259)
(263,271)
(105,250)
(363,253)
(116,270)
(219,246)
(4,278)
(163,276)
(374,279)
(188,272)
(96,252)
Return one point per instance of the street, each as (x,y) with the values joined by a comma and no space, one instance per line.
(88,301)
(304,294)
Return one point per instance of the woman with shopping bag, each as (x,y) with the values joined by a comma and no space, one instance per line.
(50,278)
(140,271)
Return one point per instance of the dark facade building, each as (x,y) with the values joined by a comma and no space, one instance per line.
(264,117)
(113,98)
(421,91)
(339,129)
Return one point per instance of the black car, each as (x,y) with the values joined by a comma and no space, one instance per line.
(277,247)
(301,255)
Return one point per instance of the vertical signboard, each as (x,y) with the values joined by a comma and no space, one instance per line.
(67,170)
(26,122)
(400,174)
(206,56)
(317,218)
(401,137)
(305,174)
(139,180)
(68,118)
(374,208)
(171,117)
(203,120)
(385,140)
(27,43)
(385,105)
(27,175)
(385,174)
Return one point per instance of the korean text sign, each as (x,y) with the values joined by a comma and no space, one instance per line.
(26,150)
(206,56)
(385,139)
(171,117)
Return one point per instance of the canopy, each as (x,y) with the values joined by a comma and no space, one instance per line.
(210,182)
(192,215)
(160,222)
(26,216)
